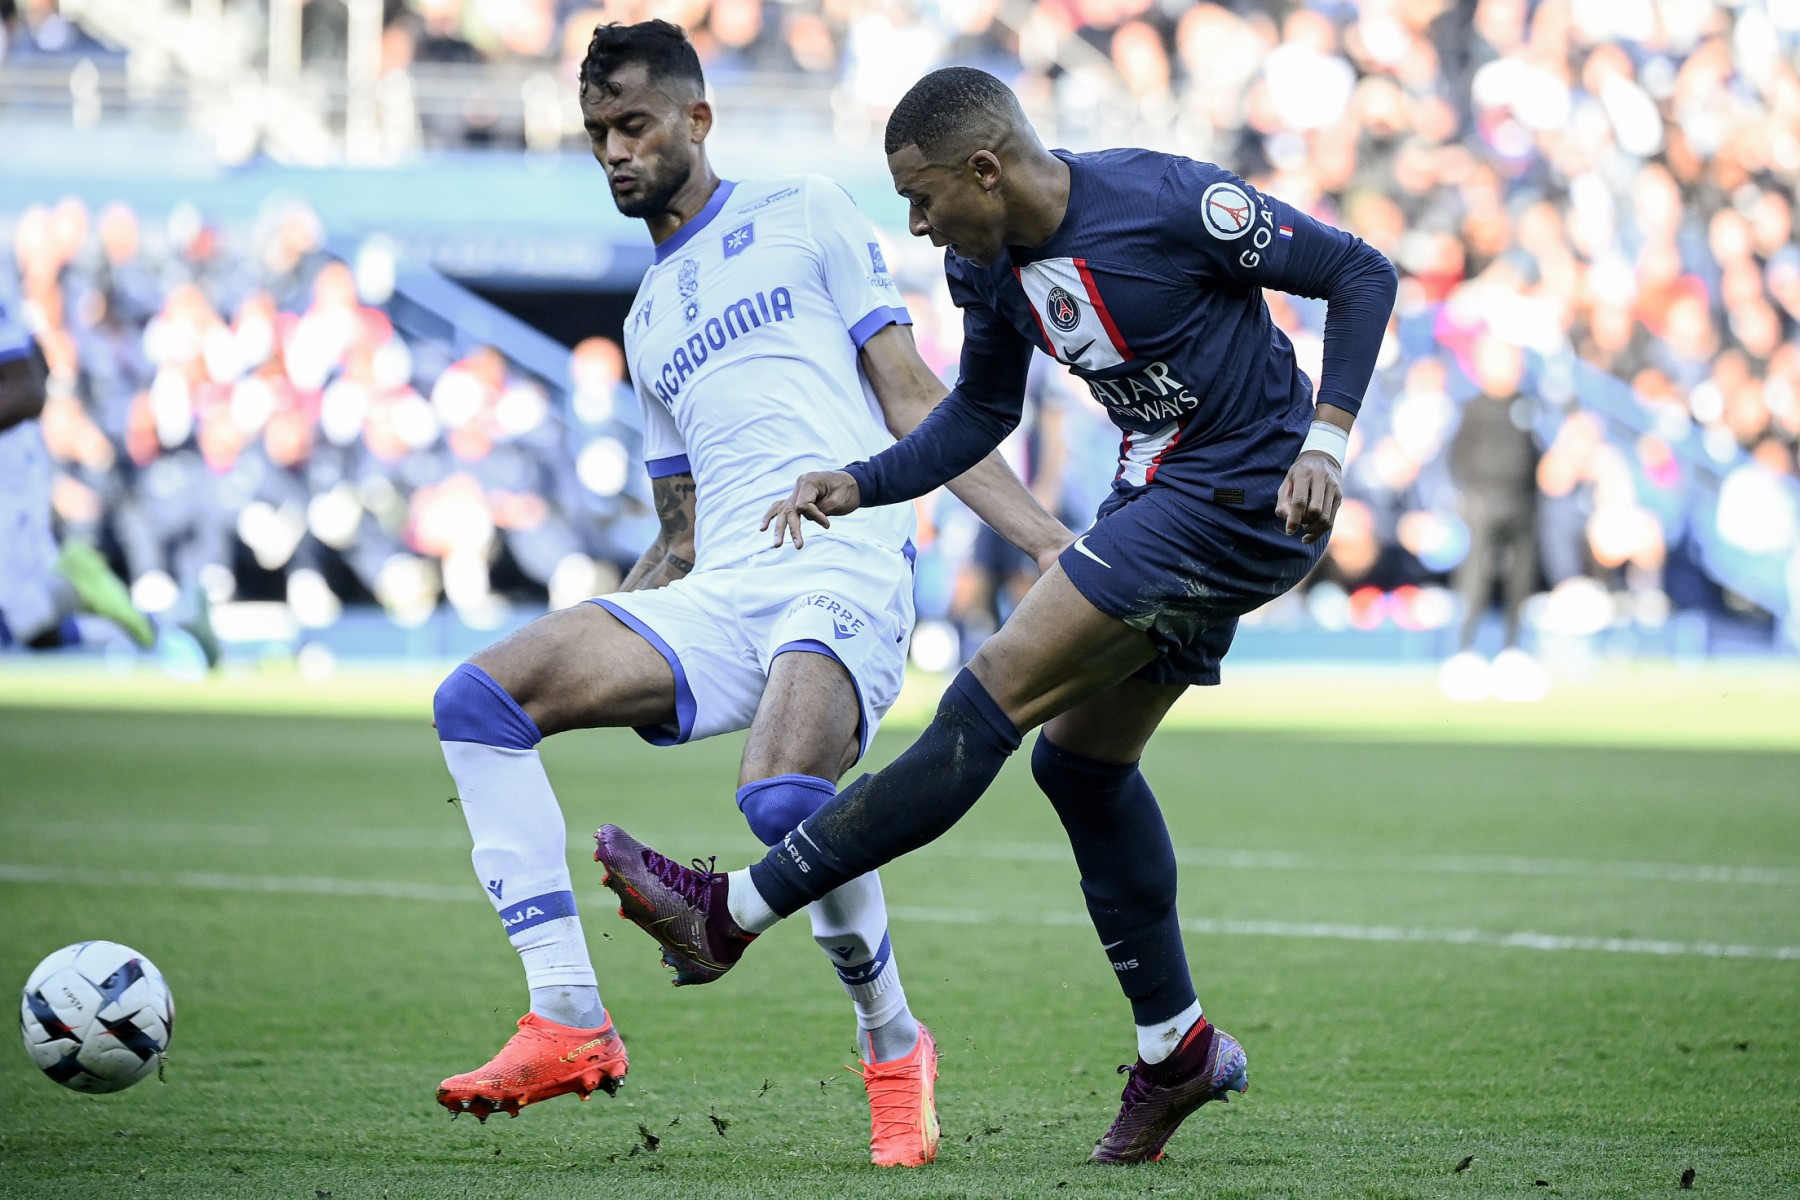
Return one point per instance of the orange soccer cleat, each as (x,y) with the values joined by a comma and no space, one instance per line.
(540,1061)
(903,1122)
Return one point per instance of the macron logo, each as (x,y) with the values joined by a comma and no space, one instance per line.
(496,886)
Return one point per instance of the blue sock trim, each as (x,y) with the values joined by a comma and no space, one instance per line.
(685,704)
(773,806)
(968,689)
(471,707)
(866,720)
(68,632)
(535,911)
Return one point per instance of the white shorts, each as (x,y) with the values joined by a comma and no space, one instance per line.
(27,549)
(721,629)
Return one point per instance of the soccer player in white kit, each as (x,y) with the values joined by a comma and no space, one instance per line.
(768,339)
(42,586)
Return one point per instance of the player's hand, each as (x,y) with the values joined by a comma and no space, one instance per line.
(1310,495)
(818,496)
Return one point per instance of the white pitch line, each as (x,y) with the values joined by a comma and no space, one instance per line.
(25,873)
(1431,864)
(182,833)
(214,881)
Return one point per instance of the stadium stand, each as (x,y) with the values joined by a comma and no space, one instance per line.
(329,422)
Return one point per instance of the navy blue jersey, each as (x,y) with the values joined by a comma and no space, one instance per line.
(1151,292)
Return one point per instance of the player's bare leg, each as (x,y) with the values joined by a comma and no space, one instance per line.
(1086,762)
(581,668)
(577,668)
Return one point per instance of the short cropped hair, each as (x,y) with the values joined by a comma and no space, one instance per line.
(663,49)
(950,106)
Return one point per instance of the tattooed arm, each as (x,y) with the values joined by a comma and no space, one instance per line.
(671,556)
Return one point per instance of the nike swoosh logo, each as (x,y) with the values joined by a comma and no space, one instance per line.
(1075,355)
(1110,945)
(1081,548)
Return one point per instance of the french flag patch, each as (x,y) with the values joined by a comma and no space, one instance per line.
(1286,231)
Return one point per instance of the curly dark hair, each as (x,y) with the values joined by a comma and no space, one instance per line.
(948,105)
(663,49)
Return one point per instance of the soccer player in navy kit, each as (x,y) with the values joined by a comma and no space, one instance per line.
(1144,273)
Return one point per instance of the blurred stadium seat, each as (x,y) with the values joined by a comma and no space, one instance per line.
(332,294)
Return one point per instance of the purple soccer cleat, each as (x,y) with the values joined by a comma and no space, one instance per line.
(1208,1065)
(681,907)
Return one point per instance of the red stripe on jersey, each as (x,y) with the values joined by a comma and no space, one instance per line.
(1156,462)
(1042,332)
(1093,291)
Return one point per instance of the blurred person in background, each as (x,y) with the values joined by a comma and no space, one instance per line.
(42,586)
(1494,462)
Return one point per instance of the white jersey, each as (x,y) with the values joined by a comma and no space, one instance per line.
(22,464)
(743,344)
(28,605)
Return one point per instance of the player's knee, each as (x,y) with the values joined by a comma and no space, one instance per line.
(1074,783)
(1047,768)
(773,807)
(470,707)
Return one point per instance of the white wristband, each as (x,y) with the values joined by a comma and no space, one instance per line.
(1329,439)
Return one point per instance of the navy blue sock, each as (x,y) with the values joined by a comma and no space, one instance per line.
(911,802)
(1127,867)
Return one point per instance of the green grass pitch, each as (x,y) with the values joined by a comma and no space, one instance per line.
(1575,959)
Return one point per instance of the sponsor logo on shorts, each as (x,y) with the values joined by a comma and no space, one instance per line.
(845,622)
(1081,547)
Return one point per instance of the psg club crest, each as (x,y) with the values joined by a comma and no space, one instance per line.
(1226,211)
(739,239)
(1063,310)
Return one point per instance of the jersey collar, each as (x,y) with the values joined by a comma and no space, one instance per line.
(701,219)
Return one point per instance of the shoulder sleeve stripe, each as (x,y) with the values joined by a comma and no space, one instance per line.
(877,320)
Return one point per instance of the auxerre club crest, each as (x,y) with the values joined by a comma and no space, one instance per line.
(689,283)
(1063,310)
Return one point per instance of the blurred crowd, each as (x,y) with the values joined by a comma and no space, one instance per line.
(241,414)
(1575,191)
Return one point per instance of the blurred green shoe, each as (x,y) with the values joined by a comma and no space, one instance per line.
(199,626)
(103,593)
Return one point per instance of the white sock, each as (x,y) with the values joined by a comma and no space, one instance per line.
(851,927)
(1156,1042)
(520,857)
(746,905)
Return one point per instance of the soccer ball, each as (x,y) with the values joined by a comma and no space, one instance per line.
(97,1016)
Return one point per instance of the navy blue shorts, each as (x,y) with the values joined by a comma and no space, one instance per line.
(1184,570)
